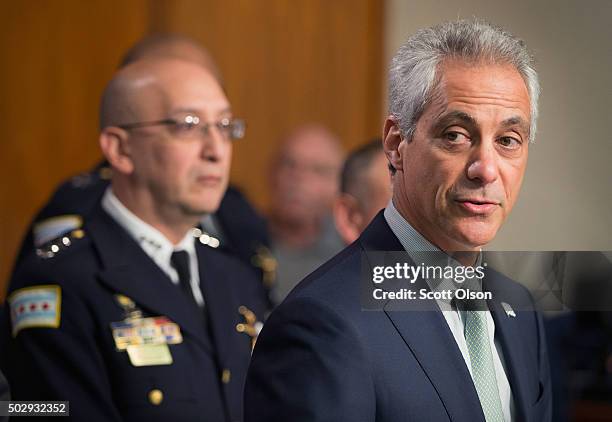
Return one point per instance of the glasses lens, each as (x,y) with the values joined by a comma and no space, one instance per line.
(187,127)
(237,129)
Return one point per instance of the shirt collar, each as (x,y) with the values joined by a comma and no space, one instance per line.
(410,239)
(146,235)
(420,249)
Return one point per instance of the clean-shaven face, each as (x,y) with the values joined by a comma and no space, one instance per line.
(188,176)
(463,168)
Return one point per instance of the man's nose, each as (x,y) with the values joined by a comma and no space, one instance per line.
(483,166)
(214,144)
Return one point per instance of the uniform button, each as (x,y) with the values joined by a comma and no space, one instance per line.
(105,173)
(78,234)
(156,396)
(226,375)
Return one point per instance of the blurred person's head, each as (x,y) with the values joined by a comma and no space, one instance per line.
(304,177)
(462,111)
(166,130)
(171,46)
(365,188)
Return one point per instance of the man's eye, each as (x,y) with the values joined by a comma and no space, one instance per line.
(455,137)
(509,142)
(185,126)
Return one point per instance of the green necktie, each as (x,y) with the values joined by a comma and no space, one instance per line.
(481,360)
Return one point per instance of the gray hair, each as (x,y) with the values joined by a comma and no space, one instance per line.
(412,74)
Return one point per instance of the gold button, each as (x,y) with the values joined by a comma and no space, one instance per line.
(78,234)
(226,375)
(105,173)
(156,397)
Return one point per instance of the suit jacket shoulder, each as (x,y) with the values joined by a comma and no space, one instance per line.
(322,357)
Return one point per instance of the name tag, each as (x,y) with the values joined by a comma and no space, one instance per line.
(149,354)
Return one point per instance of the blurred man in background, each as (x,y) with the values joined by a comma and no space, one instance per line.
(131,318)
(365,189)
(304,184)
(172,46)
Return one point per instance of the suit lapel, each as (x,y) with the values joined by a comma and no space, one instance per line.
(428,336)
(128,270)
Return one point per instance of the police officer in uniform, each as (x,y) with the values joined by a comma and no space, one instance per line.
(132,316)
(235,227)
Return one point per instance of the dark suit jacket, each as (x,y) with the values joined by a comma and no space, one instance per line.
(79,361)
(320,357)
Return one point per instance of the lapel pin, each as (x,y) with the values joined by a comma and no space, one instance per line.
(509,311)
(250,326)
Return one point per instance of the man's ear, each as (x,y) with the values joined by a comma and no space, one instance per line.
(347,218)
(116,148)
(392,138)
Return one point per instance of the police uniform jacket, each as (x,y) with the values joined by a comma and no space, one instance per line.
(78,359)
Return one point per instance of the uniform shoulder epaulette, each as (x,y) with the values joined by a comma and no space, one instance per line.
(89,178)
(56,246)
(51,228)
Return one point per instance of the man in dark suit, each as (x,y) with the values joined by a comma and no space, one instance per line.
(463,107)
(129,317)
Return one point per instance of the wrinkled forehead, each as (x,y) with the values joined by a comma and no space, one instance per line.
(464,89)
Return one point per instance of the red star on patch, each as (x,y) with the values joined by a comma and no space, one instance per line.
(21,309)
(45,306)
(33,307)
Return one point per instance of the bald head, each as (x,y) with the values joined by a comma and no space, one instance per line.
(312,136)
(140,90)
(171,46)
(305,174)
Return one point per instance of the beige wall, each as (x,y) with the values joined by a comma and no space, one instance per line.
(566,201)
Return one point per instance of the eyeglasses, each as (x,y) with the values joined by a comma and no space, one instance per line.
(191,127)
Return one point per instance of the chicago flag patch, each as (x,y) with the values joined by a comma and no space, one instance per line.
(37,306)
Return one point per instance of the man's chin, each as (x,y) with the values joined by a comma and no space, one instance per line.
(200,209)
(476,234)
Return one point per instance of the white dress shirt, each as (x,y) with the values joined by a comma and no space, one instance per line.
(413,241)
(154,243)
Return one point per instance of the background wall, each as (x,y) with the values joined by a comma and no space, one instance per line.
(284,63)
(566,200)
